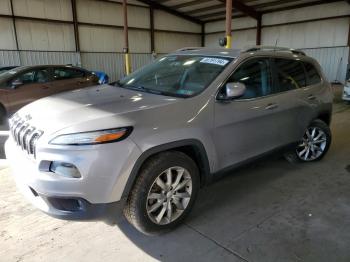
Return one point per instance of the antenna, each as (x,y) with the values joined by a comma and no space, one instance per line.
(276,43)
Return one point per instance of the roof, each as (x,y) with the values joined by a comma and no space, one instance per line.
(201,11)
(237,52)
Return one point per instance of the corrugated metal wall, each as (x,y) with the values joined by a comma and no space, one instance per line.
(100,32)
(333,61)
(112,63)
(325,40)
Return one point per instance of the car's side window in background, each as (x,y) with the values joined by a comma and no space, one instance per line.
(35,76)
(313,76)
(255,75)
(290,74)
(67,73)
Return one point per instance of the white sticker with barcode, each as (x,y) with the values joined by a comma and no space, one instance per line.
(214,61)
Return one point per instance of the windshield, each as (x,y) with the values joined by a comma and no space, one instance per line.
(176,75)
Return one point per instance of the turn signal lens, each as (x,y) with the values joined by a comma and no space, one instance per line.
(110,137)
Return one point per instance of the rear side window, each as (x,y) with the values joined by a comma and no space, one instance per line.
(313,76)
(290,74)
(67,73)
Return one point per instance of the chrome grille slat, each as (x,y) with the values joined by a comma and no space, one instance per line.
(24,134)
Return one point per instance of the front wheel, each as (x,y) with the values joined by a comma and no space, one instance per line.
(314,145)
(163,194)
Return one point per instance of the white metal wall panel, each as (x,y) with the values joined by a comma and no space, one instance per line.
(238,23)
(240,39)
(5,7)
(36,35)
(7,35)
(139,41)
(100,39)
(51,9)
(112,63)
(138,17)
(9,58)
(168,42)
(97,12)
(333,61)
(166,21)
(49,58)
(312,12)
(324,33)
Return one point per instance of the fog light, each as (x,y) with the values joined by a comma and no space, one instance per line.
(64,169)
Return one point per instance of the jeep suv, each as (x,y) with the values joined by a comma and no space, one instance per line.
(147,143)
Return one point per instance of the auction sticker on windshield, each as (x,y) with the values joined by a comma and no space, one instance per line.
(214,61)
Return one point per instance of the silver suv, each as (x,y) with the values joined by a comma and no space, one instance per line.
(146,144)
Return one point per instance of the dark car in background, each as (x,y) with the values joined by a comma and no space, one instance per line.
(23,85)
(6,68)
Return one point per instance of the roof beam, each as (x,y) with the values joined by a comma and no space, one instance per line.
(301,6)
(204,9)
(191,3)
(156,5)
(246,9)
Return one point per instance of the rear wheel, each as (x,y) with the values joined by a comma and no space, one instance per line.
(163,194)
(314,144)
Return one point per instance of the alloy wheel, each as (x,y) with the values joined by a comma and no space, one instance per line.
(313,144)
(169,195)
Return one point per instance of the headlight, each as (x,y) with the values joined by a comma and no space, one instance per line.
(92,138)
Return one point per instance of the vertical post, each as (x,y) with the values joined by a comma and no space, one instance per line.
(151,17)
(203,35)
(228,23)
(126,39)
(258,31)
(15,32)
(75,24)
(349,32)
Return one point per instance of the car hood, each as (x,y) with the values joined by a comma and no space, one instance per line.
(83,107)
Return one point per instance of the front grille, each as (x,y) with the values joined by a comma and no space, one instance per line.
(24,134)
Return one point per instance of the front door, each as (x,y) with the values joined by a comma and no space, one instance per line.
(252,124)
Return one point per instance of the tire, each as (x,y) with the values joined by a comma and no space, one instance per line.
(146,193)
(317,149)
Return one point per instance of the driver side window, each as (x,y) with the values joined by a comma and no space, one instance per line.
(255,75)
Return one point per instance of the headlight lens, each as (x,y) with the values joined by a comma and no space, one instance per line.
(92,138)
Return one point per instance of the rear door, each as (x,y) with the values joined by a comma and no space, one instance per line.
(27,87)
(294,94)
(253,124)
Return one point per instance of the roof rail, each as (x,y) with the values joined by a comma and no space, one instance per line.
(273,48)
(189,48)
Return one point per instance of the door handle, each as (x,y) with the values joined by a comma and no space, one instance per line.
(271,106)
(311,97)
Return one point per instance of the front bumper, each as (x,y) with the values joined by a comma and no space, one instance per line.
(95,196)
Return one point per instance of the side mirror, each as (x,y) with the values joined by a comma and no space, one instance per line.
(16,83)
(235,90)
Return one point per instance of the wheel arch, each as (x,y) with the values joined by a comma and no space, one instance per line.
(325,117)
(191,147)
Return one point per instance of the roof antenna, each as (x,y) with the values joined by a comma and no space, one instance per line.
(276,44)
